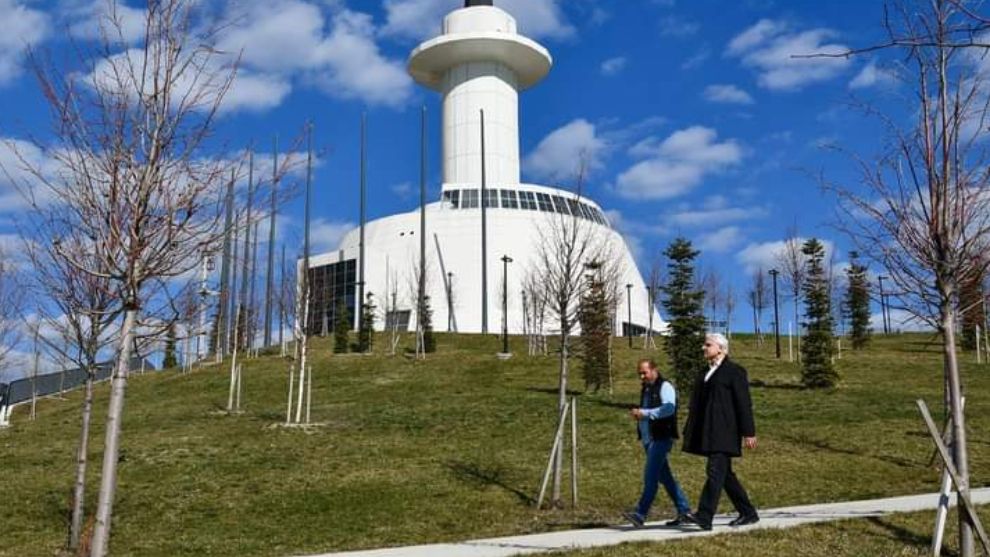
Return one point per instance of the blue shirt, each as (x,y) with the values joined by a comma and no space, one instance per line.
(668,404)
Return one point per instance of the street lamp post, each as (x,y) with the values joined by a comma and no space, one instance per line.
(629,311)
(201,337)
(883,306)
(450,302)
(505,303)
(649,304)
(776,312)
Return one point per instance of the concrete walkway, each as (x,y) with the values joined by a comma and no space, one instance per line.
(656,532)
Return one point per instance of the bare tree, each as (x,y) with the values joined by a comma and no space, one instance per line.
(792,269)
(80,308)
(757,297)
(712,287)
(921,208)
(729,297)
(11,309)
(286,299)
(134,176)
(652,290)
(392,316)
(535,305)
(304,303)
(567,244)
(419,281)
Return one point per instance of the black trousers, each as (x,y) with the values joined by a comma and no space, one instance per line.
(720,475)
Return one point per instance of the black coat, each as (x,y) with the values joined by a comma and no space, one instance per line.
(721,412)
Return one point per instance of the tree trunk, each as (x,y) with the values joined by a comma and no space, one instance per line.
(966,542)
(797,328)
(111,446)
(558,464)
(79,493)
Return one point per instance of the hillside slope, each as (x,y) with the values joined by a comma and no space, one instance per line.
(450,448)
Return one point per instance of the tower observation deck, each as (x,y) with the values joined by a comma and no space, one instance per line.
(480,62)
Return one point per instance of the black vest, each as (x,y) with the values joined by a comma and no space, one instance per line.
(664,428)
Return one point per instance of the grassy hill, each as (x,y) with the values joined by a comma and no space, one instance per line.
(449,448)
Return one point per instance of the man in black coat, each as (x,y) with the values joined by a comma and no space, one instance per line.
(719,423)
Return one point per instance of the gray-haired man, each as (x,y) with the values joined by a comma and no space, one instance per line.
(720,422)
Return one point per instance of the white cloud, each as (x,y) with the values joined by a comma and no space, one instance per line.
(727,94)
(715,217)
(248,91)
(17,158)
(352,66)
(613,66)
(772,49)
(873,76)
(288,39)
(23,27)
(93,20)
(326,235)
(421,19)
(559,154)
(697,59)
(279,36)
(767,255)
(403,190)
(255,92)
(900,321)
(677,164)
(721,240)
(754,36)
(678,27)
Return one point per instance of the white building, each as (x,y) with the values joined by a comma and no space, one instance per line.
(479,63)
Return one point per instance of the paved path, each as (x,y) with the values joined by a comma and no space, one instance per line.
(655,531)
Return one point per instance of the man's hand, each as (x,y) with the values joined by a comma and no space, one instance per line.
(636,414)
(749,442)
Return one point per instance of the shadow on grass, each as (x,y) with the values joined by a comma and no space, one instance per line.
(931,345)
(473,473)
(760,384)
(553,391)
(826,446)
(608,403)
(906,536)
(587,525)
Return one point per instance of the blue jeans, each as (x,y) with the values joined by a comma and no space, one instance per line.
(656,472)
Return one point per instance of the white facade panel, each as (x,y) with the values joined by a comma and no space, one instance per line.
(454,236)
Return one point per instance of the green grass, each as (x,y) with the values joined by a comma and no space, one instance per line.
(449,449)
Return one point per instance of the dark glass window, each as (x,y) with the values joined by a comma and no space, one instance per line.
(527,200)
(330,286)
(398,320)
(574,206)
(491,199)
(560,205)
(509,199)
(470,200)
(601,218)
(545,204)
(586,212)
(452,197)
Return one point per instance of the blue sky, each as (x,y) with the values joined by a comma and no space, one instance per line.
(699,120)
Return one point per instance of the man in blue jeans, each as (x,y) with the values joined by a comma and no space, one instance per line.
(657,428)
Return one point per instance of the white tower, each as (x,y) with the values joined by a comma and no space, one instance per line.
(480,63)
